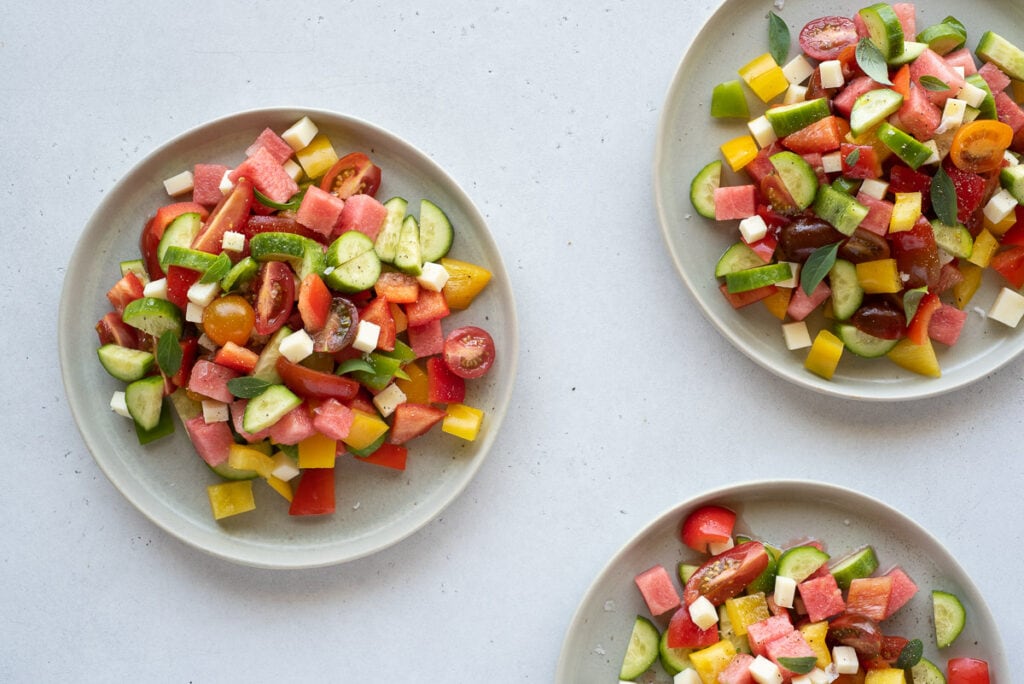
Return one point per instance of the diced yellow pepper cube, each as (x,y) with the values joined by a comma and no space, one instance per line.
(245,457)
(998,229)
(814,634)
(318,156)
(917,358)
(281,487)
(870,137)
(317,451)
(889,675)
(401,320)
(739,152)
(465,282)
(905,211)
(365,430)
(415,388)
(462,421)
(985,247)
(964,290)
(765,77)
(230,498)
(879,276)
(777,303)
(746,610)
(711,661)
(826,350)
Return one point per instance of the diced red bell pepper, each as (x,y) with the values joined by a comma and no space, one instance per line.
(179,280)
(125,291)
(314,302)
(189,350)
(443,386)
(315,493)
(112,330)
(387,455)
(1009,263)
(378,311)
(429,306)
(917,331)
(412,420)
(860,161)
(683,633)
(236,357)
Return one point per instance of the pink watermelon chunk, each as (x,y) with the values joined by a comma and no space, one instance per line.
(206,183)
(760,634)
(272,143)
(427,339)
(211,380)
(801,305)
(319,210)
(962,58)
(930,63)
(1009,111)
(908,19)
(657,589)
(738,670)
(267,175)
(918,115)
(212,440)
(791,645)
(843,101)
(294,426)
(903,589)
(995,78)
(879,214)
(238,415)
(333,419)
(735,202)
(869,596)
(946,324)
(363,213)
(822,597)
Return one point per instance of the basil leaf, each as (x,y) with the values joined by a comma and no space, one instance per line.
(218,269)
(801,665)
(912,300)
(353,365)
(871,61)
(778,38)
(247,387)
(168,353)
(290,205)
(933,83)
(910,655)
(943,196)
(817,266)
(851,159)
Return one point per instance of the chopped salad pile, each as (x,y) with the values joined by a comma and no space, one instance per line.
(750,611)
(292,318)
(879,185)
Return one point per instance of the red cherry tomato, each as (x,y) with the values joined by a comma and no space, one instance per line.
(708,525)
(825,37)
(469,352)
(727,574)
(967,671)
(275,295)
(353,174)
(855,630)
(307,382)
(340,327)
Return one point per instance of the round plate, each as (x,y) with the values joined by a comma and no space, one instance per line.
(166,480)
(780,512)
(688,138)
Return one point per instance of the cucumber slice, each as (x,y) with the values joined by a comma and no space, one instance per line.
(903,145)
(943,38)
(304,255)
(136,266)
(267,408)
(765,582)
(790,118)
(164,427)
(189,258)
(841,210)
(857,565)
(642,650)
(240,275)
(884,29)
(911,51)
(229,473)
(266,364)
(124,363)
(354,265)
(728,101)
(994,48)
(409,257)
(436,233)
(847,294)
(180,232)
(987,109)
(797,175)
(862,344)
(926,672)
(387,240)
(872,108)
(703,186)
(800,562)
(686,571)
(753,278)
(954,240)
(674,660)
(145,400)
(739,257)
(949,616)
(1012,179)
(153,316)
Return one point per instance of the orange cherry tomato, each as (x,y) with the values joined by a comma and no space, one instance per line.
(229,319)
(978,146)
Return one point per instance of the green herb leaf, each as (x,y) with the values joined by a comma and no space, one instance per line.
(943,196)
(353,365)
(871,61)
(778,38)
(817,266)
(247,387)
(933,83)
(290,205)
(218,269)
(851,159)
(168,353)
(910,655)
(912,300)
(801,665)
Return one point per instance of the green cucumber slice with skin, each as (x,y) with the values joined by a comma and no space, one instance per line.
(674,660)
(857,565)
(903,145)
(765,582)
(800,562)
(987,108)
(229,473)
(268,407)
(353,263)
(954,240)
(386,244)
(189,258)
(686,571)
(266,364)
(847,293)
(798,176)
(304,255)
(849,186)
(436,233)
(124,363)
(926,672)
(136,266)
(943,38)
(1012,179)
(703,186)
(739,257)
(862,344)
(240,275)
(145,400)
(409,257)
(911,51)
(872,108)
(884,29)
(729,101)
(791,118)
(949,617)
(180,232)
(163,427)
(992,47)
(153,316)
(840,209)
(754,278)
(642,649)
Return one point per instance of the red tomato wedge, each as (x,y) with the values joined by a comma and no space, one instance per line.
(314,303)
(315,493)
(708,525)
(353,174)
(727,574)
(310,383)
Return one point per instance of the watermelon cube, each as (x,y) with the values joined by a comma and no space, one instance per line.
(1009,112)
(735,202)
(267,175)
(319,210)
(791,645)
(822,597)
(869,596)
(962,58)
(801,305)
(333,419)
(995,78)
(759,634)
(363,213)
(738,670)
(206,183)
(211,380)
(426,339)
(946,324)
(212,440)
(879,213)
(238,416)
(903,589)
(658,590)
(272,143)
(930,63)
(293,427)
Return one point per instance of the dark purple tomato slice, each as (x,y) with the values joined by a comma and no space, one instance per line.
(825,37)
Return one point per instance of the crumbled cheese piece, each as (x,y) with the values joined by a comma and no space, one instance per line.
(388,399)
(831,74)
(952,115)
(845,659)
(119,404)
(762,131)
(872,187)
(933,158)
(794,279)
(972,95)
(225,186)
(1008,308)
(156,289)
(433,276)
(179,184)
(1000,206)
(284,467)
(794,93)
(796,335)
(293,169)
(832,162)
(797,70)
(206,343)
(1010,158)
(785,591)
(232,241)
(687,676)
(765,671)
(753,228)
(715,548)
(815,676)
(300,133)
(194,312)
(296,346)
(215,411)
(703,613)
(367,334)
(203,293)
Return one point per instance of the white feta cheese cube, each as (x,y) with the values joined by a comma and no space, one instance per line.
(225,186)
(1008,308)
(179,184)
(687,676)
(832,162)
(933,158)
(792,280)
(296,346)
(815,676)
(293,169)
(215,411)
(300,133)
(831,73)
(433,276)
(155,288)
(388,399)
(765,671)
(762,131)
(785,588)
(972,95)
(284,467)
(845,659)
(715,548)
(194,312)
(119,404)
(1010,158)
(703,613)
(796,335)
(960,70)
(872,187)
(753,228)
(1000,206)
(797,70)
(952,115)
(367,334)
(203,293)
(232,241)
(206,343)
(794,93)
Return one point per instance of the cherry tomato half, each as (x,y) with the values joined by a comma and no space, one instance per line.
(708,525)
(275,295)
(307,382)
(855,630)
(825,37)
(229,319)
(339,329)
(727,574)
(469,352)
(967,671)
(979,146)
(353,174)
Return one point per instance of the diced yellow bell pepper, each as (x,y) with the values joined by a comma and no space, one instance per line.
(826,350)
(401,320)
(814,634)
(462,421)
(318,156)
(317,451)
(711,661)
(778,302)
(985,247)
(870,137)
(245,457)
(765,77)
(746,610)
(465,282)
(365,430)
(415,388)
(917,358)
(281,487)
(889,675)
(905,211)
(739,152)
(230,498)
(964,290)
(879,276)
(998,229)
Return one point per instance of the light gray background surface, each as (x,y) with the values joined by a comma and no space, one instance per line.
(626,403)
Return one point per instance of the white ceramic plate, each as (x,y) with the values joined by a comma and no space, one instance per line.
(165,480)
(780,512)
(688,138)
